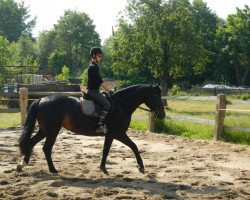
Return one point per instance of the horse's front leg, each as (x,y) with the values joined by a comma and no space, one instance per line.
(127,141)
(106,148)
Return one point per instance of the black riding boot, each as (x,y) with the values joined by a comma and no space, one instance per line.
(101,128)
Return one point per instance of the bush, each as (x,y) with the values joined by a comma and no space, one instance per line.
(64,75)
(245,97)
(84,77)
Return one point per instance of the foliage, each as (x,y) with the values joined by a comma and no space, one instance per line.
(58,59)
(245,97)
(179,42)
(75,35)
(15,20)
(64,75)
(84,77)
(158,41)
(27,52)
(175,89)
(235,43)
(45,45)
(5,51)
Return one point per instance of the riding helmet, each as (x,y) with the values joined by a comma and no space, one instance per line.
(95,50)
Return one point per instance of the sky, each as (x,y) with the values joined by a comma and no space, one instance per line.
(104,12)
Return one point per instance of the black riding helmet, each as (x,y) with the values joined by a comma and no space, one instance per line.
(94,51)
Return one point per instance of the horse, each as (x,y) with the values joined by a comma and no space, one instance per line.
(56,111)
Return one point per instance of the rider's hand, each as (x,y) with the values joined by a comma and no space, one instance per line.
(111,92)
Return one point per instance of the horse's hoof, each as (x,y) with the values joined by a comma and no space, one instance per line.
(142,170)
(19,168)
(54,172)
(104,170)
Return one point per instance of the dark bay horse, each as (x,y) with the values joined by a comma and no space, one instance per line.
(54,112)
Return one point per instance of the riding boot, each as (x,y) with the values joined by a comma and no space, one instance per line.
(101,128)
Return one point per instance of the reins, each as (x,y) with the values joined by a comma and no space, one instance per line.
(145,109)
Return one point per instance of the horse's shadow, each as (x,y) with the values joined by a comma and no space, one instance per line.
(168,190)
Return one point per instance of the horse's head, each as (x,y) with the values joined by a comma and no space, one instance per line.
(154,102)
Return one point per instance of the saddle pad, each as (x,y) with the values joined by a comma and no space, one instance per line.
(88,107)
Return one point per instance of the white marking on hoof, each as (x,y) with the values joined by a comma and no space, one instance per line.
(21,166)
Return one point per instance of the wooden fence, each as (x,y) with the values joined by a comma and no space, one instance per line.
(24,96)
(220,113)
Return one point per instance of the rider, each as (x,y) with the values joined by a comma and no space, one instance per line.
(94,81)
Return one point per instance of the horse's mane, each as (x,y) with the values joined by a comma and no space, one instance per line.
(129,89)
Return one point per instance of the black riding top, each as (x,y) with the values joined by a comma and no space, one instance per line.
(94,79)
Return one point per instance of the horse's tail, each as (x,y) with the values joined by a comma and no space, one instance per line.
(29,126)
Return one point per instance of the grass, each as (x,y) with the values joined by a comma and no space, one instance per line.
(8,120)
(189,108)
(236,137)
(200,110)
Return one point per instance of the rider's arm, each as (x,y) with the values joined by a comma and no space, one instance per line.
(105,86)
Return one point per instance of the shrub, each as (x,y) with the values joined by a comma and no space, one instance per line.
(64,75)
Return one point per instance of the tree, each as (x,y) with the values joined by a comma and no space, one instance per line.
(46,45)
(27,51)
(5,52)
(235,43)
(206,24)
(76,35)
(58,59)
(15,20)
(162,40)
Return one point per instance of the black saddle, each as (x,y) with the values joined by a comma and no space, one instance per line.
(91,108)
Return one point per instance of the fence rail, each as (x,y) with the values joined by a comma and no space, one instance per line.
(220,114)
(24,96)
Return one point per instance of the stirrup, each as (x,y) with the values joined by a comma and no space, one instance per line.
(101,129)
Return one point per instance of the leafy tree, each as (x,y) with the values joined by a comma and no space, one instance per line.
(58,59)
(8,52)
(206,24)
(76,35)
(5,51)
(161,40)
(235,42)
(106,63)
(27,52)
(46,45)
(15,20)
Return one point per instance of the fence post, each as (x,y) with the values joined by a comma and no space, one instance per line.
(151,122)
(219,115)
(23,103)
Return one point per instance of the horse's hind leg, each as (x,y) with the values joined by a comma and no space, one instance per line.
(47,149)
(106,148)
(127,141)
(33,141)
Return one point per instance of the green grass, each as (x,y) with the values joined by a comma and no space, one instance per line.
(195,109)
(200,110)
(8,120)
(185,129)
(236,137)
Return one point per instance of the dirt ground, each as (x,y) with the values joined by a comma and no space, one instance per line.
(175,168)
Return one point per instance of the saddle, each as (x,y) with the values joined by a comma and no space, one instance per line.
(91,108)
